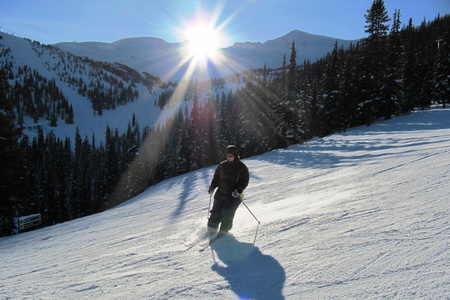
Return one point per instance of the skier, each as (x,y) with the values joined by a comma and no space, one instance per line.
(231,178)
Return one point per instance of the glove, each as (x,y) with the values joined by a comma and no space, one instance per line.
(211,190)
(237,194)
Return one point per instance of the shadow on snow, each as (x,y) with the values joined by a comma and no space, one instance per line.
(348,148)
(250,273)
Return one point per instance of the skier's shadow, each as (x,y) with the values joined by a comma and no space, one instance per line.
(251,274)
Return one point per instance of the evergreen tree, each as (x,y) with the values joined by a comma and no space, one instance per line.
(111,166)
(290,110)
(63,165)
(196,135)
(349,90)
(282,83)
(374,62)
(77,178)
(442,68)
(412,78)
(184,154)
(393,92)
(11,174)
(330,94)
(427,52)
(292,77)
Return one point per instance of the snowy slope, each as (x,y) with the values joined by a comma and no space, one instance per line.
(146,113)
(144,54)
(358,215)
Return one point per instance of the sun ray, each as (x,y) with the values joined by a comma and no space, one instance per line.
(196,66)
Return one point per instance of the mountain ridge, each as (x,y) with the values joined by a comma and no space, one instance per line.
(158,57)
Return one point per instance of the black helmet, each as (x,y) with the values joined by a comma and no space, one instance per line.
(232,149)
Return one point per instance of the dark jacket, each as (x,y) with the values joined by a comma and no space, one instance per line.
(230,176)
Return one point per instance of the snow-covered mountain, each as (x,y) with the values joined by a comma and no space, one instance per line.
(67,65)
(29,59)
(309,47)
(358,215)
(144,54)
(153,55)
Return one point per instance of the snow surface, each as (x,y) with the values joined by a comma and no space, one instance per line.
(357,215)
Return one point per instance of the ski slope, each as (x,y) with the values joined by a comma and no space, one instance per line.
(358,215)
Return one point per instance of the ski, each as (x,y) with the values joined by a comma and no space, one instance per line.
(201,237)
(206,245)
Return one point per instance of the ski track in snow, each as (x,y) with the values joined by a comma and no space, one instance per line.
(358,215)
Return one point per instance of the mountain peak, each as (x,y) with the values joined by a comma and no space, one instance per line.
(156,56)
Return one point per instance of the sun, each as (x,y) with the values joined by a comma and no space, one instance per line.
(203,37)
(203,41)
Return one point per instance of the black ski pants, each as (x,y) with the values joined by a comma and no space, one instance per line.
(223,211)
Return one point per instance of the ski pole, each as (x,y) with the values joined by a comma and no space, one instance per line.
(209,206)
(250,211)
(256,233)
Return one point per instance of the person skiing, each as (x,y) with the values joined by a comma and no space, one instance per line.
(230,178)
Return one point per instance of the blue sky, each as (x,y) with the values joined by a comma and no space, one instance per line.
(52,21)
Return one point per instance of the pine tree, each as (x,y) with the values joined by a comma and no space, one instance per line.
(349,89)
(9,162)
(374,62)
(197,135)
(393,92)
(282,83)
(442,68)
(412,78)
(63,164)
(76,178)
(330,93)
(292,75)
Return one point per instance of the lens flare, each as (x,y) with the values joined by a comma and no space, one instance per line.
(203,41)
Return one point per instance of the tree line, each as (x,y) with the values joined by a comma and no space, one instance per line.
(389,73)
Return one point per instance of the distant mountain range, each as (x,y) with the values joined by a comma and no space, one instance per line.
(163,59)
